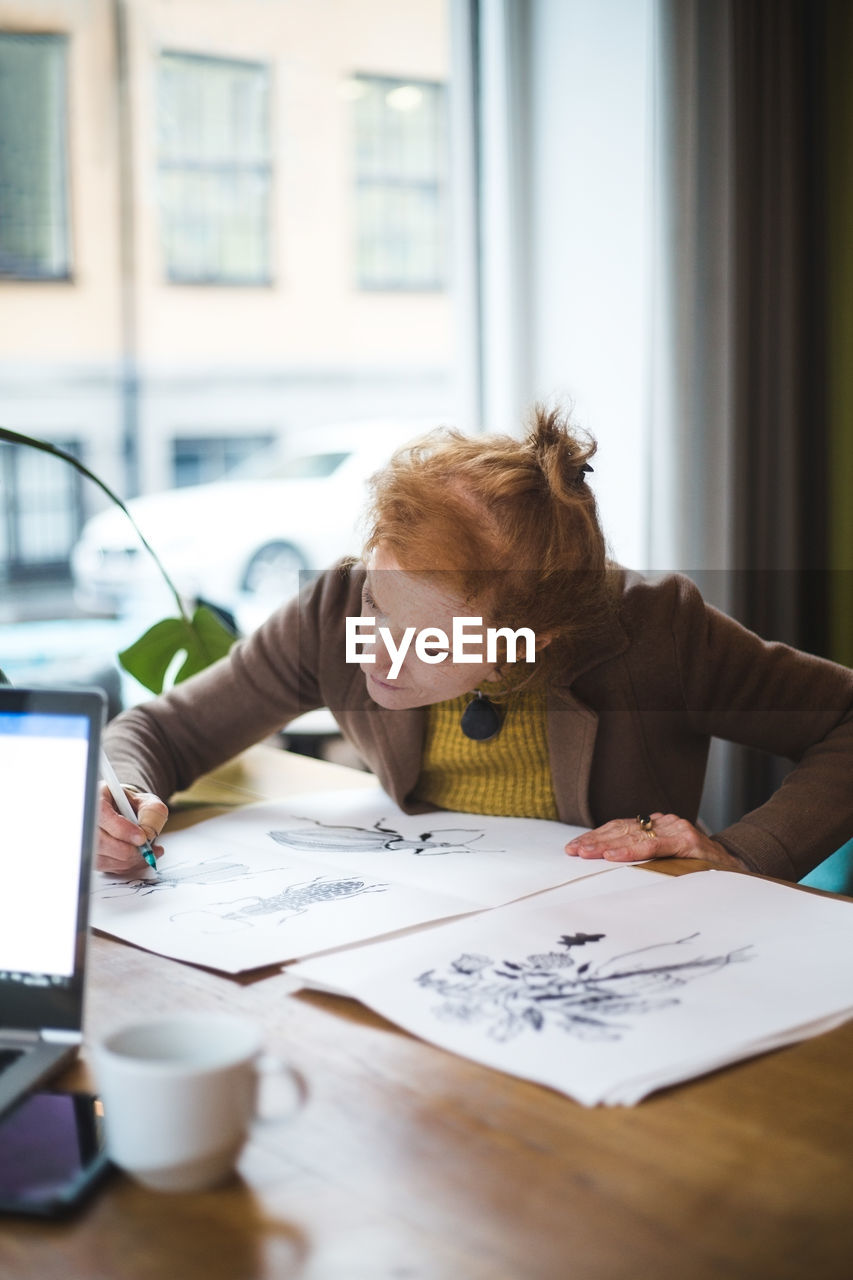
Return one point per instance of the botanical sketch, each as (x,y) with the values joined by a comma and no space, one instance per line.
(292,900)
(611,987)
(590,1001)
(321,836)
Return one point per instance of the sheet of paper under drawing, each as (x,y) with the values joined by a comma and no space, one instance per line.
(270,882)
(614,986)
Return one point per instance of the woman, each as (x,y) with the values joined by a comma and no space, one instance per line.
(606,727)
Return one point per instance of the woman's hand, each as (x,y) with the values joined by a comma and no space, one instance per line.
(119,838)
(624,840)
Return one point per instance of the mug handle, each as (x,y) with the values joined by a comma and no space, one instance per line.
(268,1067)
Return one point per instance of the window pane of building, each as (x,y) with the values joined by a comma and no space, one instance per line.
(214,169)
(200,459)
(34,241)
(400,175)
(43,513)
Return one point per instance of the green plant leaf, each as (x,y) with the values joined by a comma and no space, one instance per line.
(203,640)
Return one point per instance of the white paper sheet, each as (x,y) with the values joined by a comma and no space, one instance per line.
(275,881)
(608,996)
(312,972)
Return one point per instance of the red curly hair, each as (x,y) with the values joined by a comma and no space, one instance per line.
(509,524)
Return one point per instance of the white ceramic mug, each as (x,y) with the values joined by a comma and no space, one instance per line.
(180,1095)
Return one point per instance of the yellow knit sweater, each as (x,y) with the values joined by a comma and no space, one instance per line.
(508,775)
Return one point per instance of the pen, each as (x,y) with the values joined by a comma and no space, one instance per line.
(124,806)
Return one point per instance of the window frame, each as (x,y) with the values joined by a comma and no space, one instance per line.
(15,565)
(63,273)
(265,168)
(440,185)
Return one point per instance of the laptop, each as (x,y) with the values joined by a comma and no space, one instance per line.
(49,751)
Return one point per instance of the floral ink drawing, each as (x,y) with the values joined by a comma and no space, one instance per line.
(590,1001)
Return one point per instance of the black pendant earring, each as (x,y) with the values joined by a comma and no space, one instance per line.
(481,719)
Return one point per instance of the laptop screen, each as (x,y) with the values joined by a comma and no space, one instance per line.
(48,765)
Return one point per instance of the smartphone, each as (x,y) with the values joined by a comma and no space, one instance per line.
(52,1153)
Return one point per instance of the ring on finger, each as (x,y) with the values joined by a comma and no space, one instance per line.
(647,826)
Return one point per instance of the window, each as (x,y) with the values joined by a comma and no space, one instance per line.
(275,216)
(200,459)
(42,512)
(400,182)
(34,242)
(214,169)
(309,466)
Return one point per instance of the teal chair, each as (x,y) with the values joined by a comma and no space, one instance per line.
(834,874)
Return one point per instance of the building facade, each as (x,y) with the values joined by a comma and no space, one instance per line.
(222,224)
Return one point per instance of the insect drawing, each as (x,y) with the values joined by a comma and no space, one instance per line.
(589,1001)
(213,871)
(373,839)
(293,900)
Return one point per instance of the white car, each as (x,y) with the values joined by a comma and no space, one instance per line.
(241,542)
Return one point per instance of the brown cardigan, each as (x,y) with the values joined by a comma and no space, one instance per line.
(629,720)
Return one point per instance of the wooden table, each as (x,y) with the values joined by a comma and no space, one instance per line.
(408,1163)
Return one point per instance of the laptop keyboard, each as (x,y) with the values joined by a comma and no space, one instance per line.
(8,1056)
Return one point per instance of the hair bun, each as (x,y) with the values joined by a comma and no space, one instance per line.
(561,452)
